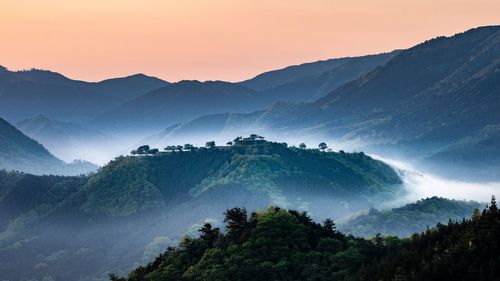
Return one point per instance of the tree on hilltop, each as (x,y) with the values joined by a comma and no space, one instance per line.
(322,146)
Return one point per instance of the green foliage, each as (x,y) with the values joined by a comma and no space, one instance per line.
(463,250)
(287,245)
(132,201)
(271,245)
(409,219)
(130,185)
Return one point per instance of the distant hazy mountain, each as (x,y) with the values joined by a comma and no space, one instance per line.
(136,103)
(185,100)
(83,227)
(127,88)
(178,102)
(69,141)
(24,94)
(19,152)
(410,218)
(310,81)
(435,102)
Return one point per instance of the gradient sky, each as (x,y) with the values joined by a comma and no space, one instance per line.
(217,39)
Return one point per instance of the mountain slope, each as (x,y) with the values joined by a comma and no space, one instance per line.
(311,81)
(269,170)
(69,141)
(175,103)
(19,152)
(425,104)
(409,219)
(287,245)
(108,220)
(25,94)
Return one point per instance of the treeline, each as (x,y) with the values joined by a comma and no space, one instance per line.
(253,139)
(287,245)
(409,219)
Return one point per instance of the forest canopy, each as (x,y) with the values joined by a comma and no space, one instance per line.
(279,244)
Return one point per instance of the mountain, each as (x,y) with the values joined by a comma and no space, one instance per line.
(311,81)
(24,94)
(177,102)
(432,103)
(130,107)
(409,219)
(69,141)
(127,88)
(288,245)
(133,208)
(19,152)
(300,83)
(266,170)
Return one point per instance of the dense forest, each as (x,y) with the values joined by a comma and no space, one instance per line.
(137,206)
(277,244)
(408,219)
(113,219)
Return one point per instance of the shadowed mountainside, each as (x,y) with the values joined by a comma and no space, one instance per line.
(79,228)
(19,152)
(435,103)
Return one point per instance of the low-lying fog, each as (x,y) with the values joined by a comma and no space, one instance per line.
(420,185)
(417,183)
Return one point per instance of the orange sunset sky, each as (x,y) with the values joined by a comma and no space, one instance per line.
(218,39)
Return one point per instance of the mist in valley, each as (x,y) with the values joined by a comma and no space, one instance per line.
(418,181)
(139,239)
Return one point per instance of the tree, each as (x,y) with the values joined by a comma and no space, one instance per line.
(302,146)
(476,214)
(229,143)
(322,146)
(236,220)
(189,147)
(143,149)
(114,277)
(237,139)
(493,205)
(133,152)
(329,225)
(179,147)
(210,144)
(209,234)
(153,151)
(171,148)
(378,240)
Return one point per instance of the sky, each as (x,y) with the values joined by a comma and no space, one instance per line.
(228,40)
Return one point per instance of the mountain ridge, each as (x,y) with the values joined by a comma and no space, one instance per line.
(398,115)
(19,152)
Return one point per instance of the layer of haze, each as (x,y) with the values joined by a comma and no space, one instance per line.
(217,39)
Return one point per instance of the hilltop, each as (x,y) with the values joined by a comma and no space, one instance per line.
(137,203)
(270,171)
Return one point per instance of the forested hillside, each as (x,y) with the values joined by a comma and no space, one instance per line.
(287,245)
(435,104)
(19,152)
(408,219)
(276,173)
(115,218)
